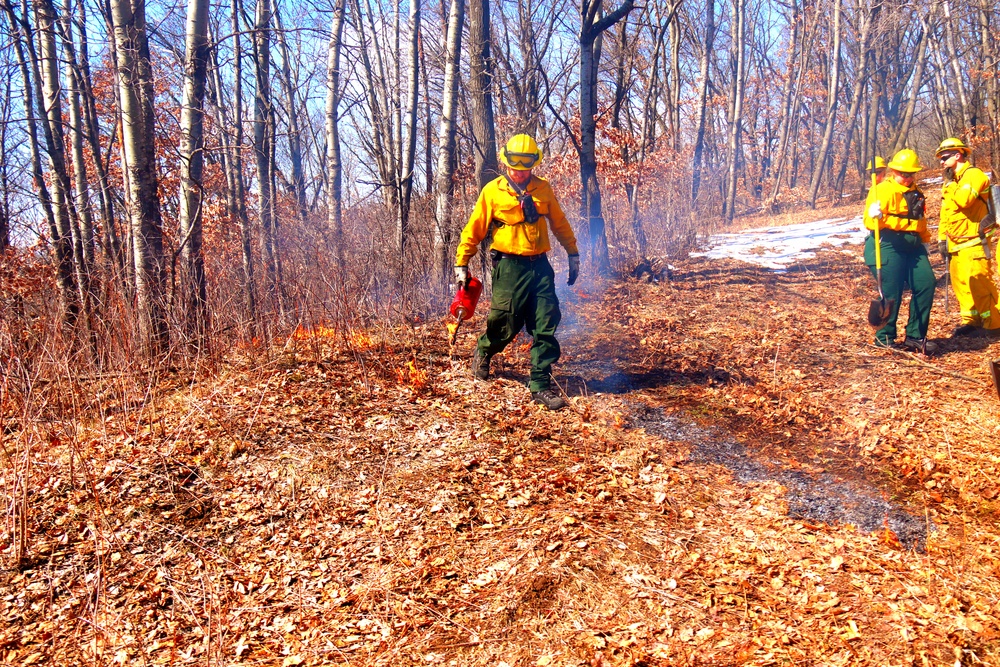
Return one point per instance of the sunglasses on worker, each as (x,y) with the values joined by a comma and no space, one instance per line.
(949,155)
(526,160)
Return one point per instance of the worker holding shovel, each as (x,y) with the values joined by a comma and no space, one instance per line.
(516,206)
(895,212)
(963,241)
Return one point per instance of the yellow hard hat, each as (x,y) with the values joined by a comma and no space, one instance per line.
(879,164)
(952,144)
(521,153)
(906,161)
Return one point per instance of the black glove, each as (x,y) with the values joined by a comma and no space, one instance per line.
(574,268)
(948,175)
(987,222)
(943,249)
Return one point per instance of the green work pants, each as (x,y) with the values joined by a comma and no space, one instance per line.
(904,262)
(524,295)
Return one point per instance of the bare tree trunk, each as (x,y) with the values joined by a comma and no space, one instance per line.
(192,156)
(408,134)
(128,256)
(992,102)
(334,166)
(594,24)
(793,98)
(860,83)
(64,272)
(699,141)
(736,124)
(957,82)
(238,208)
(940,98)
(262,146)
(85,260)
(5,119)
(45,75)
(383,139)
(481,92)
(447,161)
(917,84)
(674,85)
(112,244)
(428,124)
(294,131)
(646,132)
(135,82)
(833,96)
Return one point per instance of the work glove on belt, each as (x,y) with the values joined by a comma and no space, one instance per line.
(574,268)
(462,276)
(943,249)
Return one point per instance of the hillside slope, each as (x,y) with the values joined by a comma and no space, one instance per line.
(741,479)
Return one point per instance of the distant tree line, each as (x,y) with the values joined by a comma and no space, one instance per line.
(190,174)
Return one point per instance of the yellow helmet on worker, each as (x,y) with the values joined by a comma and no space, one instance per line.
(906,161)
(521,153)
(952,144)
(879,164)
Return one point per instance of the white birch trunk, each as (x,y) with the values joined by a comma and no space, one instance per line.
(139,155)
(192,159)
(334,166)
(446,142)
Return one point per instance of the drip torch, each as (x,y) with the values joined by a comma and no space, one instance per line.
(464,305)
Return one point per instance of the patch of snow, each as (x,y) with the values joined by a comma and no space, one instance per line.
(777,248)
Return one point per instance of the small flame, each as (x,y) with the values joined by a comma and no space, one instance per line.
(359,340)
(452,327)
(412,376)
(318,331)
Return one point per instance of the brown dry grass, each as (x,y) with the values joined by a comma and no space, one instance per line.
(340,506)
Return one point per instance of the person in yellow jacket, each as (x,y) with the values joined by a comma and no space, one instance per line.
(964,249)
(896,205)
(515,206)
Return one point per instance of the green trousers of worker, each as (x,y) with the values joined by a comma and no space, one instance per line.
(524,295)
(904,262)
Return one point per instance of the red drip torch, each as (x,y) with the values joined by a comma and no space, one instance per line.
(464,305)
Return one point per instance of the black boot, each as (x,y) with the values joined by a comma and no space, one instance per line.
(965,330)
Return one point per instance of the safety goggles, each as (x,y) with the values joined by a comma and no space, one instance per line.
(944,157)
(523,160)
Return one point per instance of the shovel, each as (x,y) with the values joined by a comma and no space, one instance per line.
(880,309)
(995,372)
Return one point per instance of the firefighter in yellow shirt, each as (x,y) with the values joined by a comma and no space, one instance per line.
(963,244)
(896,205)
(516,206)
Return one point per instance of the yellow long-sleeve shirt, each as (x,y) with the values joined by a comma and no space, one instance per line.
(895,211)
(511,234)
(963,205)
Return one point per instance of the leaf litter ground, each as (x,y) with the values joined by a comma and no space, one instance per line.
(741,479)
